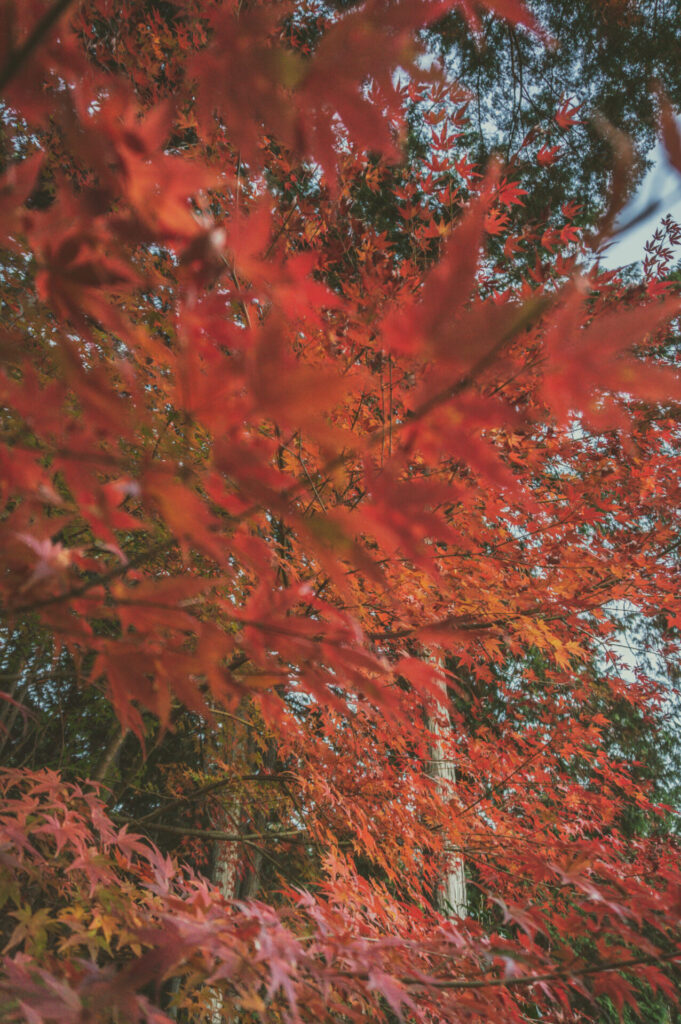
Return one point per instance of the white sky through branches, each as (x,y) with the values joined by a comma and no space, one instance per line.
(662,184)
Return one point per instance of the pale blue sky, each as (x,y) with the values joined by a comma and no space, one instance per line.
(661,182)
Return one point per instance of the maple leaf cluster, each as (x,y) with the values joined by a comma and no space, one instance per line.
(332,452)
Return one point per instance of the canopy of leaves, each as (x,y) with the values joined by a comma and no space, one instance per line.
(311,484)
(598,66)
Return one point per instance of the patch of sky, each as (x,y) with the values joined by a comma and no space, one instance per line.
(658,195)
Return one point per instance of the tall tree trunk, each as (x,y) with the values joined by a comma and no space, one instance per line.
(226,856)
(450,892)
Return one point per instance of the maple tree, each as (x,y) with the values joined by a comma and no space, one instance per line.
(319,512)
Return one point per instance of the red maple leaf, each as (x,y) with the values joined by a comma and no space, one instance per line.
(566,115)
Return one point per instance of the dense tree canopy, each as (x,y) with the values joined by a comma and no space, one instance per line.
(335,472)
(600,63)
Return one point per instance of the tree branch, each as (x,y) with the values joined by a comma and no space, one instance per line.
(531,313)
(210,833)
(563,974)
(210,787)
(107,577)
(18,57)
(109,755)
